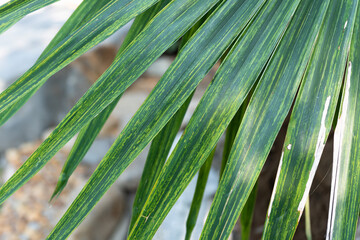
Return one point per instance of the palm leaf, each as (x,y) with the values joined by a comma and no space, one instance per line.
(247,212)
(274,54)
(311,120)
(231,131)
(198,195)
(266,112)
(88,134)
(81,146)
(137,56)
(345,199)
(162,143)
(180,80)
(14,10)
(87,10)
(234,80)
(158,153)
(104,23)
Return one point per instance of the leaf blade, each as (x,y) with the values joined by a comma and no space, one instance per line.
(247,213)
(130,145)
(81,146)
(311,121)
(271,100)
(111,84)
(108,19)
(162,143)
(214,112)
(88,134)
(198,195)
(344,199)
(158,153)
(13,11)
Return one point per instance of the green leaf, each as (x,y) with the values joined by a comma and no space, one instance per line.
(109,18)
(231,133)
(180,80)
(246,216)
(198,195)
(140,23)
(158,153)
(88,134)
(311,121)
(268,107)
(162,143)
(345,198)
(234,80)
(87,10)
(14,10)
(162,31)
(247,213)
(81,146)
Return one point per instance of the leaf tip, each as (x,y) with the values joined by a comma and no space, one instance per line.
(59,187)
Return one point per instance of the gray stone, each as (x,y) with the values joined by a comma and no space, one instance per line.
(26,125)
(61,92)
(159,67)
(98,150)
(174,225)
(44,109)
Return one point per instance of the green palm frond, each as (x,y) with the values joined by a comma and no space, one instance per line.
(15,10)
(278,58)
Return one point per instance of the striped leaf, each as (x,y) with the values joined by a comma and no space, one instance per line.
(81,146)
(81,15)
(87,10)
(247,213)
(345,198)
(14,10)
(198,195)
(273,53)
(231,131)
(162,143)
(180,80)
(88,134)
(266,112)
(109,18)
(311,120)
(164,29)
(140,23)
(158,153)
(234,80)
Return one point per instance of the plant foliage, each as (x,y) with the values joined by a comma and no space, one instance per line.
(278,57)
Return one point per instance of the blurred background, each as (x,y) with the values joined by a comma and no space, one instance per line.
(28,214)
